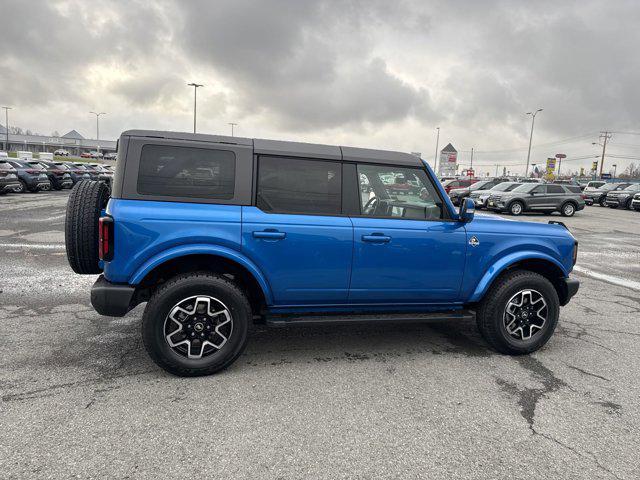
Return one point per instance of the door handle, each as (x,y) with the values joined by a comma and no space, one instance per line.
(270,235)
(376,238)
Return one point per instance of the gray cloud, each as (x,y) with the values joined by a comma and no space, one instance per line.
(381,73)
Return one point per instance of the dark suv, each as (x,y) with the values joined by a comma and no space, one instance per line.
(31,177)
(59,177)
(532,197)
(215,233)
(622,198)
(599,195)
(8,178)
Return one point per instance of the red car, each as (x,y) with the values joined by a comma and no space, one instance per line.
(85,155)
(458,183)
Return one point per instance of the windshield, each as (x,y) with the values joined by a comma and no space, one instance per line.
(504,187)
(526,188)
(609,186)
(595,184)
(481,185)
(5,166)
(633,187)
(621,186)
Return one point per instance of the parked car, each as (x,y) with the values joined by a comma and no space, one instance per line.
(458,183)
(92,172)
(622,198)
(599,195)
(104,174)
(457,194)
(8,178)
(85,155)
(111,156)
(61,152)
(480,197)
(74,171)
(59,177)
(95,154)
(532,197)
(32,178)
(593,186)
(635,203)
(570,182)
(216,233)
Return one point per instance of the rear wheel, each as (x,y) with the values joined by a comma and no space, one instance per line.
(86,201)
(196,324)
(568,209)
(603,202)
(519,313)
(516,208)
(22,188)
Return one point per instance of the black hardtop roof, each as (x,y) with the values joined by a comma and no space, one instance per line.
(290,149)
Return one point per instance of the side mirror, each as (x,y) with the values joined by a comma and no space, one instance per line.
(467,210)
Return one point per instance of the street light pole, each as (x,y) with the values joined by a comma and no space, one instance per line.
(97,114)
(435,157)
(615,168)
(195,94)
(6,126)
(533,120)
(232,125)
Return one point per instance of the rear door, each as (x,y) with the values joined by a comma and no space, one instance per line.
(296,232)
(556,195)
(405,250)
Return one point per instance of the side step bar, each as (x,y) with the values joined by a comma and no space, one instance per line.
(337,319)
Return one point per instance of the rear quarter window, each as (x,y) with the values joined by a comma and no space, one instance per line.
(175,171)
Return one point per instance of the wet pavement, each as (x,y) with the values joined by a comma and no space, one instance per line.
(80,398)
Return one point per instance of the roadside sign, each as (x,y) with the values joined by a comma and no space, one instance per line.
(560,155)
(605,176)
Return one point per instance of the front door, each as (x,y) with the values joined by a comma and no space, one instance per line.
(296,235)
(405,251)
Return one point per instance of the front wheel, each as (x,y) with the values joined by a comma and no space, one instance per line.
(519,313)
(196,324)
(603,202)
(568,209)
(516,208)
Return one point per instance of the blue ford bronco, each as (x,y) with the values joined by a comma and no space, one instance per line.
(218,233)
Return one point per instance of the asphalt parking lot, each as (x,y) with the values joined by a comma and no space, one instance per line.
(80,397)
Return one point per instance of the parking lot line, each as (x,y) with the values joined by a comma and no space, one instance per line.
(608,278)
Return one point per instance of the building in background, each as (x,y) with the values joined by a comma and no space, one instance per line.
(72,141)
(448,164)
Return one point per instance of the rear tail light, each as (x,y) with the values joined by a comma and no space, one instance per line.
(583,196)
(575,252)
(105,239)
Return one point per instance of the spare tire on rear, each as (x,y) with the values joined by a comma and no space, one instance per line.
(86,201)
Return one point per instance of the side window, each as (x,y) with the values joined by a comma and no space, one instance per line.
(397,192)
(555,189)
(287,185)
(540,189)
(186,172)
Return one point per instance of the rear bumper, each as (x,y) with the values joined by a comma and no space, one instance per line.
(568,288)
(111,299)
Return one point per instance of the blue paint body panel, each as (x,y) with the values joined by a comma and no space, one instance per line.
(307,263)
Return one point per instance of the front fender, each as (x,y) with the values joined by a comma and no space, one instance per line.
(505,262)
(199,249)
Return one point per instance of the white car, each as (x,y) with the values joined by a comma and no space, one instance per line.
(61,152)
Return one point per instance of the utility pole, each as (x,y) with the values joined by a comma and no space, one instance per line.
(232,125)
(6,126)
(603,136)
(97,114)
(471,162)
(435,157)
(533,120)
(195,94)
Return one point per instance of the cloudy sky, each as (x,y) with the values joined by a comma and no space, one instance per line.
(370,73)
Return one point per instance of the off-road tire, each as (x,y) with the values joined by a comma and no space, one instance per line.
(568,209)
(185,286)
(511,208)
(86,200)
(490,313)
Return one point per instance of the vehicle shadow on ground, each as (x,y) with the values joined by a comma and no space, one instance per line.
(271,346)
